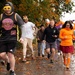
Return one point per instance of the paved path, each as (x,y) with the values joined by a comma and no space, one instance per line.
(41,66)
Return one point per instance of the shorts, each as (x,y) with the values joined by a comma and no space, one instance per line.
(67,49)
(7,46)
(50,45)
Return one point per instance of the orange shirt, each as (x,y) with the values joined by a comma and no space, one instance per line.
(66,36)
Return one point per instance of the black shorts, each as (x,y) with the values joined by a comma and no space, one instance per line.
(7,46)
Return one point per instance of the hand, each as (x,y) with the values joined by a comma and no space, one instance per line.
(54,36)
(21,40)
(65,37)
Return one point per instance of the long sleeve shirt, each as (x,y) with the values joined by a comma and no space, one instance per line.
(49,33)
(66,36)
(39,35)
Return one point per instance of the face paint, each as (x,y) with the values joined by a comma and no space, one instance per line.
(7,9)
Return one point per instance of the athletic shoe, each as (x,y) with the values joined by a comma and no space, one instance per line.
(24,59)
(12,72)
(42,55)
(2,62)
(51,61)
(8,66)
(48,56)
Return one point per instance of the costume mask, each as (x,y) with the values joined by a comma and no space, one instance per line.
(6,8)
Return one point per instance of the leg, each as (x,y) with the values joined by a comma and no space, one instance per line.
(12,61)
(43,47)
(10,53)
(4,56)
(39,44)
(3,50)
(31,47)
(53,48)
(68,60)
(53,53)
(65,58)
(24,49)
(48,49)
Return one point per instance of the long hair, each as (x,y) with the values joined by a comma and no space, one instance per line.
(71,27)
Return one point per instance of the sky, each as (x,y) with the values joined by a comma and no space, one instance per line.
(68,16)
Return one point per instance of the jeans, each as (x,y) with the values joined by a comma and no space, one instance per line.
(57,44)
(41,47)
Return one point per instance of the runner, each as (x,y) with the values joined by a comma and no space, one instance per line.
(8,39)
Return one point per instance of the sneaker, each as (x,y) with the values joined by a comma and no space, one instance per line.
(67,67)
(48,56)
(51,61)
(8,66)
(12,72)
(58,53)
(38,54)
(42,55)
(24,59)
(2,62)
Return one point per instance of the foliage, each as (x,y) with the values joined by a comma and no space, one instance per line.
(39,10)
(2,2)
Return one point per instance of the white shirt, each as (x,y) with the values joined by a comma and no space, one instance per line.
(27,30)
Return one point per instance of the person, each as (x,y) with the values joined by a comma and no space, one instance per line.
(47,22)
(51,34)
(41,45)
(58,25)
(8,35)
(27,36)
(66,46)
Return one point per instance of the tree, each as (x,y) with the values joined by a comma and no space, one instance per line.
(39,10)
(2,2)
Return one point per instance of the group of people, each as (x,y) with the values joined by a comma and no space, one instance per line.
(9,21)
(66,36)
(46,38)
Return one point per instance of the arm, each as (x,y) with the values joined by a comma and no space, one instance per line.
(37,36)
(19,20)
(61,36)
(73,34)
(44,34)
(0,23)
(56,35)
(35,29)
